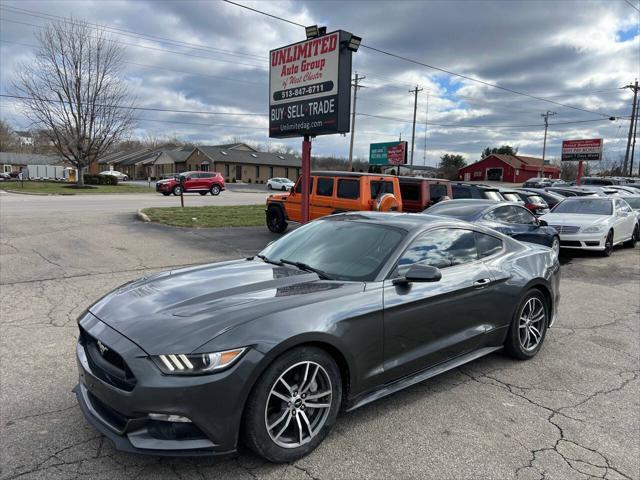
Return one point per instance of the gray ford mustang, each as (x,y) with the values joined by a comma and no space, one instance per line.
(330,317)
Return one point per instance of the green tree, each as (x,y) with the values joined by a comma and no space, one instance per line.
(449,165)
(504,149)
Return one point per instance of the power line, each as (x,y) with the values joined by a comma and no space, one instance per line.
(148,109)
(433,67)
(632,5)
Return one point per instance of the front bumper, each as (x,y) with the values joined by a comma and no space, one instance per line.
(583,241)
(213,403)
(163,187)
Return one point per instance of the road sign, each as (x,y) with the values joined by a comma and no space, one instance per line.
(582,150)
(310,87)
(388,153)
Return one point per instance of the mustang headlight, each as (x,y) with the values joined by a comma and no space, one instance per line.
(593,229)
(199,363)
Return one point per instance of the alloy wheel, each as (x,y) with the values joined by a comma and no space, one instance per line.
(298,404)
(555,246)
(531,324)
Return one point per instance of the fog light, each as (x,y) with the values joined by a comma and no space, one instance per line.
(163,417)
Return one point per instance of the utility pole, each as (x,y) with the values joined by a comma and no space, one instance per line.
(353,116)
(634,112)
(426,126)
(544,144)
(413,134)
(635,133)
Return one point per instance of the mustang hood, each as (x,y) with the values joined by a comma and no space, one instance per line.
(180,310)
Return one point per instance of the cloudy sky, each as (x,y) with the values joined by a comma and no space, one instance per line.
(213,56)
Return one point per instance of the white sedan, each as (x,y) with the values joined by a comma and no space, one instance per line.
(594,223)
(283,184)
(119,175)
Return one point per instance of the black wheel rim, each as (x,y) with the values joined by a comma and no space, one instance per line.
(274,221)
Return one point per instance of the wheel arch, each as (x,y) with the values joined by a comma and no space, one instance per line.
(542,286)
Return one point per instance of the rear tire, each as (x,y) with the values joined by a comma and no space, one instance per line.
(276,222)
(631,243)
(269,187)
(528,327)
(202,193)
(166,194)
(215,190)
(298,422)
(284,189)
(608,245)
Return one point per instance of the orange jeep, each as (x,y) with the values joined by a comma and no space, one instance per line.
(334,192)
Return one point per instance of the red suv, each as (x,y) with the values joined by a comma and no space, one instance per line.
(201,182)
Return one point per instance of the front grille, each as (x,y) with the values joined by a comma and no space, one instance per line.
(113,417)
(592,244)
(570,243)
(566,229)
(107,364)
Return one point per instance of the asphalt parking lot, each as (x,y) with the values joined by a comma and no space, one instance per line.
(571,412)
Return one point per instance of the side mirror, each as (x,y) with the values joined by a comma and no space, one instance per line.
(419,272)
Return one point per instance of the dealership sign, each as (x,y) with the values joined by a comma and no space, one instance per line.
(389,153)
(310,87)
(581,150)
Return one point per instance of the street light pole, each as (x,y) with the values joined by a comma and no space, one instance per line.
(413,133)
(353,117)
(544,144)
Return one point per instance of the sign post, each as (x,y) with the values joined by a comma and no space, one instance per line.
(580,151)
(310,93)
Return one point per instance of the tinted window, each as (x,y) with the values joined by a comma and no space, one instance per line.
(504,214)
(634,202)
(487,245)
(325,187)
(207,175)
(535,200)
(345,250)
(348,188)
(460,191)
(585,206)
(299,186)
(410,192)
(440,248)
(380,188)
(437,190)
(524,217)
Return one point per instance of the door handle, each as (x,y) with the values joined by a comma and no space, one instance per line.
(482,282)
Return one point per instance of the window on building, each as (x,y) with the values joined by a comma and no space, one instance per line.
(226,169)
(348,188)
(325,187)
(286,172)
(270,172)
(204,167)
(257,171)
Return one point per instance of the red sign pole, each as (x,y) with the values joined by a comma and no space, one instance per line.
(579,173)
(306,177)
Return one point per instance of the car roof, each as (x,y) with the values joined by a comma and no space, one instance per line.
(334,173)
(481,186)
(405,221)
(407,179)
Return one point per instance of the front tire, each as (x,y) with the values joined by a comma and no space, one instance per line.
(528,327)
(631,243)
(202,193)
(177,190)
(166,194)
(269,187)
(215,190)
(293,405)
(608,245)
(284,189)
(276,222)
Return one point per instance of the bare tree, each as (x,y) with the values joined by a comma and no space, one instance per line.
(8,140)
(73,92)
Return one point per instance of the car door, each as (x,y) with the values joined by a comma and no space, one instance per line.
(429,323)
(190,182)
(624,221)
(323,201)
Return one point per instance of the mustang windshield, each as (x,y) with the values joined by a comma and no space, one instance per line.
(343,250)
(585,206)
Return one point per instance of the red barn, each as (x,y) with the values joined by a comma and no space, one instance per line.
(507,168)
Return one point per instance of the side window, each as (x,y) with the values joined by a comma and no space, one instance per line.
(461,192)
(624,206)
(324,187)
(440,248)
(437,190)
(348,188)
(501,214)
(299,185)
(487,245)
(524,217)
(380,188)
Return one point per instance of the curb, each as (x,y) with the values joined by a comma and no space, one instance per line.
(32,193)
(142,216)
